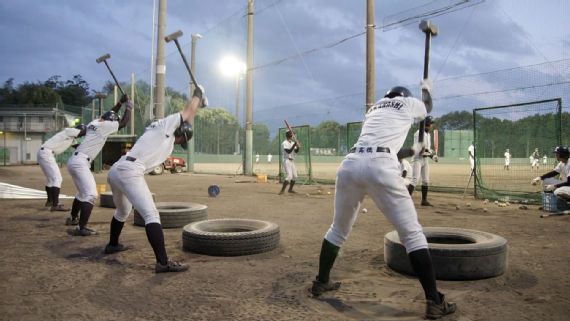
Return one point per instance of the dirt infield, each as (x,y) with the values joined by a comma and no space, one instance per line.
(48,275)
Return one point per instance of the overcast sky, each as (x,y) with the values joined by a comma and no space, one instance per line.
(64,37)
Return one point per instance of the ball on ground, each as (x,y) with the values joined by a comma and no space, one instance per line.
(364,210)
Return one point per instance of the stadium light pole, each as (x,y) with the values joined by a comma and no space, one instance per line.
(3,133)
(232,67)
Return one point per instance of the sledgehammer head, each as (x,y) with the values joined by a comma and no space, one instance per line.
(103,58)
(173,36)
(427,27)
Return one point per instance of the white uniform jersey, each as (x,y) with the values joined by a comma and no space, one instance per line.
(285,146)
(157,142)
(507,156)
(61,141)
(563,169)
(427,142)
(96,136)
(388,121)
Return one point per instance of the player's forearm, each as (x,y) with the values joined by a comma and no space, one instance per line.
(567,183)
(549,175)
(125,119)
(190,110)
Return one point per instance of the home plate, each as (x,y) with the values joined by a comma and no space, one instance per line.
(16,192)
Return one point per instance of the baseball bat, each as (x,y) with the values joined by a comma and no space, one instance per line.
(292,132)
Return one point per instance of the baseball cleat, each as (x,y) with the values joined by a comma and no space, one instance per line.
(319,287)
(48,203)
(426,203)
(71,221)
(171,266)
(436,311)
(83,232)
(292,192)
(58,208)
(110,249)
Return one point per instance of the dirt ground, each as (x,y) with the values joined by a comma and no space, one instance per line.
(48,275)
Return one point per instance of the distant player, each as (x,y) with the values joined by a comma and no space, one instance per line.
(290,148)
(420,163)
(471,153)
(257,158)
(269,157)
(535,159)
(561,186)
(79,165)
(507,159)
(544,160)
(54,146)
(372,168)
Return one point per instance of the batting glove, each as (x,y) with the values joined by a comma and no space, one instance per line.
(426,85)
(199,91)
(536,180)
(549,188)
(129,105)
(435,158)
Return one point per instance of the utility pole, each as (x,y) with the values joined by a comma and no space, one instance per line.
(370,62)
(237,149)
(248,155)
(191,154)
(133,100)
(160,61)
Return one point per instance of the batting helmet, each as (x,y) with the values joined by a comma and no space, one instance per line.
(429,120)
(110,115)
(82,130)
(184,130)
(562,151)
(398,91)
(288,134)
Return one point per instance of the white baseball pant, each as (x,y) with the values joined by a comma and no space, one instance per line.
(79,167)
(290,170)
(130,190)
(49,167)
(563,192)
(378,175)
(420,166)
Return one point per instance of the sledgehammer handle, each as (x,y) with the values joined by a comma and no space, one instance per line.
(186,63)
(114,78)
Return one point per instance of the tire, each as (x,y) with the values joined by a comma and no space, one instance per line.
(457,254)
(106,200)
(158,170)
(178,169)
(230,237)
(176,214)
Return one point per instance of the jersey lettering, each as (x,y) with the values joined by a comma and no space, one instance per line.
(396,104)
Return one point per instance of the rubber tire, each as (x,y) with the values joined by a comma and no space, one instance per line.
(176,214)
(486,257)
(106,200)
(245,237)
(177,169)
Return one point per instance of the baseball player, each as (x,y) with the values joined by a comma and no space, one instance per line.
(257,158)
(471,153)
(507,159)
(269,157)
(405,168)
(79,165)
(561,186)
(535,159)
(290,148)
(372,168)
(420,162)
(544,160)
(126,178)
(56,145)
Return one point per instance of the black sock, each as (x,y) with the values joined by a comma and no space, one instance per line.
(328,255)
(156,240)
(116,228)
(424,192)
(84,214)
(285,183)
(55,196)
(48,192)
(422,265)
(75,208)
(291,186)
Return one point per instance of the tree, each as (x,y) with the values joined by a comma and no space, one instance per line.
(215,128)
(260,138)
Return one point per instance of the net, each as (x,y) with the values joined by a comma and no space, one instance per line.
(529,131)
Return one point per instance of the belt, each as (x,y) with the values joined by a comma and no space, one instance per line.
(369,150)
(130,159)
(77,153)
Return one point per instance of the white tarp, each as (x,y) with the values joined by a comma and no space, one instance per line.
(15,192)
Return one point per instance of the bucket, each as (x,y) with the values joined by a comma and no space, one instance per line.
(262,178)
(101,188)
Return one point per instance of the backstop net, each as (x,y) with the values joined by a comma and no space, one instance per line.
(302,158)
(522,129)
